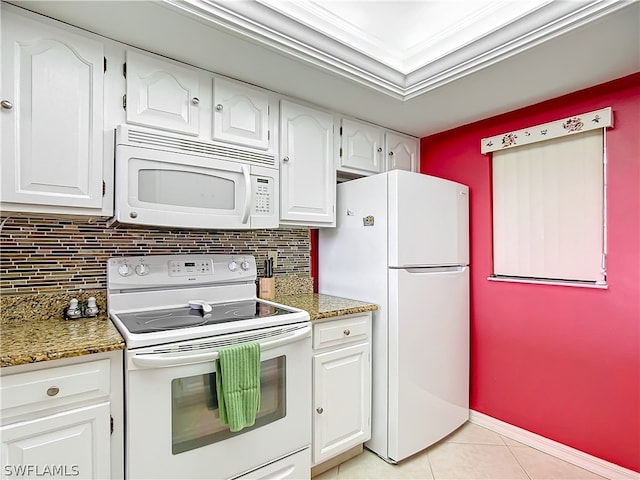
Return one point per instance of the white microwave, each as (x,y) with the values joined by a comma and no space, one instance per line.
(168,180)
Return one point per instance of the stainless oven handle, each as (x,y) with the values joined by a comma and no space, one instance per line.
(247,188)
(163,360)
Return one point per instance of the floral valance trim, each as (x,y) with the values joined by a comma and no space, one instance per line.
(560,128)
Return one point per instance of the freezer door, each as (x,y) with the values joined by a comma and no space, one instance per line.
(428,220)
(428,356)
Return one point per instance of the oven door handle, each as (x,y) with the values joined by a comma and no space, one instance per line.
(168,360)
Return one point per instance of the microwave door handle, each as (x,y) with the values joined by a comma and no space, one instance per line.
(159,361)
(247,188)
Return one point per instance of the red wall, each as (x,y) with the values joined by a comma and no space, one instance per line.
(563,362)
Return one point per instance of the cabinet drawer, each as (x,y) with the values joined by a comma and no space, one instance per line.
(338,332)
(55,386)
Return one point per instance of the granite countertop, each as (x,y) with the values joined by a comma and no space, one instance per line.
(322,306)
(33,329)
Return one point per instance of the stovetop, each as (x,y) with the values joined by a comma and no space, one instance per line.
(185,317)
(159,299)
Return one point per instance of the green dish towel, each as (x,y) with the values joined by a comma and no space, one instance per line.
(238,385)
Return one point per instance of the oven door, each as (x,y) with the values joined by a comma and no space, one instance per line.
(163,188)
(172,419)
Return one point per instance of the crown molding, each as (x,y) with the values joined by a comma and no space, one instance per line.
(546,23)
(293,39)
(258,23)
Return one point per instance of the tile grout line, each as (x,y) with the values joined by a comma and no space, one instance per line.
(516,459)
(433,475)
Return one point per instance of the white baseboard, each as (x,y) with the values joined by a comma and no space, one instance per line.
(558,450)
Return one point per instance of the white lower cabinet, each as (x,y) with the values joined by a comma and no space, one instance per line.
(341,385)
(71,443)
(63,418)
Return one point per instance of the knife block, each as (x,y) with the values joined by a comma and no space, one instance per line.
(267,288)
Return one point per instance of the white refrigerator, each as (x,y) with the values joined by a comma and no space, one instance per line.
(401,241)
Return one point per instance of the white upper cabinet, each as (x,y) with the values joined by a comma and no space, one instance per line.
(307,173)
(52,119)
(240,114)
(162,94)
(361,147)
(402,152)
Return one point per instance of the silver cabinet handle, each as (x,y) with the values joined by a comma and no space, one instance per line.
(219,107)
(6,104)
(195,100)
(347,332)
(320,410)
(52,391)
(285,159)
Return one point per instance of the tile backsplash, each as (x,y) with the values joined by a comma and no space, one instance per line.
(54,255)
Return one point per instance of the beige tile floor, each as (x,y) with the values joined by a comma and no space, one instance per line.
(470,453)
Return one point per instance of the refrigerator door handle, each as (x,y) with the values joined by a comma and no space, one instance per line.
(431,270)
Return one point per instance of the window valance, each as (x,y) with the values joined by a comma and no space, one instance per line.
(547,131)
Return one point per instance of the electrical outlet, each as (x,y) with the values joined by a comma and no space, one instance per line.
(273,254)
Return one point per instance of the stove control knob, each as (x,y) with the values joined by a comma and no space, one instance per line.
(124,270)
(142,269)
(244,265)
(233,266)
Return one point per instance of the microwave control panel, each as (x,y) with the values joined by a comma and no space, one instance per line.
(263,195)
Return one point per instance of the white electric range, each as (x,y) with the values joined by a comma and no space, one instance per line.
(175,312)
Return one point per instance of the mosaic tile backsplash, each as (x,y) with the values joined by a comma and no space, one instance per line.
(53,255)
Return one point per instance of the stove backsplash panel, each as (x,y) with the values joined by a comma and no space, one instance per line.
(53,255)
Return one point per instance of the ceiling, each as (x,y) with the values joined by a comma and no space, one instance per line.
(419,67)
(404,35)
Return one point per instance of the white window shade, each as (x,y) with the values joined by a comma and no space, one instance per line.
(548,209)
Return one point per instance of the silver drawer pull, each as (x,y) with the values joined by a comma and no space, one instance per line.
(52,391)
(6,104)
(219,107)
(347,332)
(320,410)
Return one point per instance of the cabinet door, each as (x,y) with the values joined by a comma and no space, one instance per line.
(307,175)
(52,116)
(402,152)
(240,114)
(162,94)
(342,396)
(361,147)
(74,444)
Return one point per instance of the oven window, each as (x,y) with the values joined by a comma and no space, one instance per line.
(185,189)
(195,420)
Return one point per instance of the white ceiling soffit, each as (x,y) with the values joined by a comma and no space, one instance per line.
(400,48)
